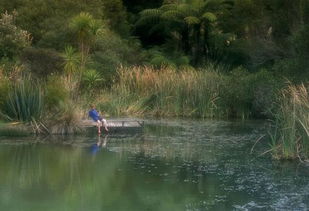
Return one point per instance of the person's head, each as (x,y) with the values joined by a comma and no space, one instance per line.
(92,106)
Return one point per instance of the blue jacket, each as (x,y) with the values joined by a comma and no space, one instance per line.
(94,115)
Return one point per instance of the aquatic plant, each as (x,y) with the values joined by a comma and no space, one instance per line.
(290,138)
(166,92)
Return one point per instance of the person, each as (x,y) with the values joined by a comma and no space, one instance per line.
(94,114)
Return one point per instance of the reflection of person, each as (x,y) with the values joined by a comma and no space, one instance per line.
(94,114)
(94,148)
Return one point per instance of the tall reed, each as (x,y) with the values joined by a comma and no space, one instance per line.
(166,92)
(290,138)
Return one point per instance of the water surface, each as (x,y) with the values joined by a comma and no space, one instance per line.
(173,165)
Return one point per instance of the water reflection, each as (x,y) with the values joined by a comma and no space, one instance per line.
(94,148)
(194,166)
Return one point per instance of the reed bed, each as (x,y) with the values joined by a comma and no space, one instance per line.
(166,92)
(290,138)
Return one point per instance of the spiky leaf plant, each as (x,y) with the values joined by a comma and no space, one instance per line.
(24,102)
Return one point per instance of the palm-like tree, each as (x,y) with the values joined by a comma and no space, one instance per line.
(87,30)
(189,22)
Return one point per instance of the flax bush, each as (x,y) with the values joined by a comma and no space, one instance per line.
(24,101)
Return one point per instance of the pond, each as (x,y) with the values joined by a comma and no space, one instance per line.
(172,165)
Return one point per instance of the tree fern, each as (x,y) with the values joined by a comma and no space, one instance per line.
(209,16)
(149,17)
(172,15)
(192,20)
(151,13)
(168,7)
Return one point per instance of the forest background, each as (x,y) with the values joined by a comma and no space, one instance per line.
(236,53)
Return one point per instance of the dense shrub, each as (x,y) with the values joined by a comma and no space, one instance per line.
(111,52)
(42,62)
(12,38)
(245,94)
(56,93)
(4,89)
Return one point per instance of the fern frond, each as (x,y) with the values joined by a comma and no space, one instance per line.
(200,4)
(171,15)
(192,20)
(151,13)
(167,7)
(209,16)
(159,27)
(147,21)
(185,10)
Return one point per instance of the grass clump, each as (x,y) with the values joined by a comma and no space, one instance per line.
(290,139)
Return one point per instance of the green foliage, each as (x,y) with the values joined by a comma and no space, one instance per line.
(116,16)
(86,29)
(263,32)
(48,21)
(189,24)
(246,94)
(12,38)
(111,52)
(301,42)
(56,92)
(91,80)
(4,89)
(158,59)
(71,60)
(24,102)
(42,62)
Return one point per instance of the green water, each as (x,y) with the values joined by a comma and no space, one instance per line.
(173,165)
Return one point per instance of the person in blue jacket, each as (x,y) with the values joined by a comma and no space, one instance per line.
(94,114)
